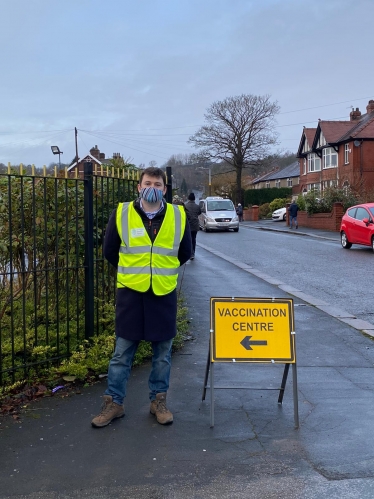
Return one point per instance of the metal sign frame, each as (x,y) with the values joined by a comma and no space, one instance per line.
(217,336)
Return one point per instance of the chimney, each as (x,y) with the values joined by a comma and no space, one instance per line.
(95,152)
(355,115)
(102,156)
(370,106)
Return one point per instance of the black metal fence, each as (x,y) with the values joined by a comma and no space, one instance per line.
(54,282)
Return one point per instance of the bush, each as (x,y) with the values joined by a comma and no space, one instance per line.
(263,211)
(316,204)
(262,196)
(278,203)
(300,201)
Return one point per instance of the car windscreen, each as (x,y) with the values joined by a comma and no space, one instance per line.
(222,205)
(372,211)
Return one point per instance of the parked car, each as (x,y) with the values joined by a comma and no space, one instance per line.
(280,214)
(218,214)
(357,226)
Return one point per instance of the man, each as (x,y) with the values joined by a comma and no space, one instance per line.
(146,240)
(292,210)
(239,212)
(193,212)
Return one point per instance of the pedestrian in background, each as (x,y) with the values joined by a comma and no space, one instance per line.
(146,240)
(292,211)
(239,212)
(193,211)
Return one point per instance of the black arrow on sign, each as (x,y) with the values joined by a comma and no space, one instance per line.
(247,343)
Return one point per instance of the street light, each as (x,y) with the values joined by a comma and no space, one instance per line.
(210,178)
(56,150)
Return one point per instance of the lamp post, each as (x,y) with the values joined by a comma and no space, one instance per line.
(209,179)
(56,150)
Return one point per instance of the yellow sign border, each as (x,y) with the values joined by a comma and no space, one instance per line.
(286,301)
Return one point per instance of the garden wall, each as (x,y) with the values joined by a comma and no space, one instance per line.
(324,221)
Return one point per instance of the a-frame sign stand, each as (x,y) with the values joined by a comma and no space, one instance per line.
(252,330)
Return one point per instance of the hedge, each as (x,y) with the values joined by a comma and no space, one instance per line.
(261,196)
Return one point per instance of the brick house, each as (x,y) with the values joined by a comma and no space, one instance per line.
(98,160)
(288,176)
(339,154)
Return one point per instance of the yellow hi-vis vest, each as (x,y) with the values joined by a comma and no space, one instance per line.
(143,264)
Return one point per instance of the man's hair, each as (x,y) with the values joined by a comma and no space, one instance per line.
(153,171)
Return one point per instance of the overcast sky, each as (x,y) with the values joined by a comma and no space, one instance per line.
(136,77)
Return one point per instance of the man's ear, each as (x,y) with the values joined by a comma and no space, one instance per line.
(139,188)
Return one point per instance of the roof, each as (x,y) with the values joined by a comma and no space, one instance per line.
(264,176)
(88,156)
(333,130)
(292,170)
(308,134)
(364,129)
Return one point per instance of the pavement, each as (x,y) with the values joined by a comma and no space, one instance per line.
(253,450)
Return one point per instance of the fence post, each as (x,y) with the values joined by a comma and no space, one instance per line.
(88,252)
(169,192)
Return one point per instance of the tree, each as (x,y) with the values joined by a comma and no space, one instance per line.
(239,131)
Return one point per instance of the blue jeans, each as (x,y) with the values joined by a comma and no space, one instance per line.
(120,368)
(291,220)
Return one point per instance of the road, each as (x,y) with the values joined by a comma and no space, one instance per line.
(321,268)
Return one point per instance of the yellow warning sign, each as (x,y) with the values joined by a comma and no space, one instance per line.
(252,330)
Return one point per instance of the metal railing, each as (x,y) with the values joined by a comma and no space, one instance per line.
(54,281)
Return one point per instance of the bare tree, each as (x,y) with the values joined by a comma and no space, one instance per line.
(239,131)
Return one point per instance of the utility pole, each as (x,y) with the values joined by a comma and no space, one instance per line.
(76,144)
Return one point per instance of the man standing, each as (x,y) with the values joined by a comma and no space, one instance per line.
(193,212)
(292,210)
(146,240)
(239,212)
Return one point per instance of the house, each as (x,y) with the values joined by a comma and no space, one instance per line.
(286,177)
(99,162)
(339,154)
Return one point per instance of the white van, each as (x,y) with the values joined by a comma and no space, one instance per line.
(218,214)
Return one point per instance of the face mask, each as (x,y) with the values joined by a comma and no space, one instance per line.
(151,194)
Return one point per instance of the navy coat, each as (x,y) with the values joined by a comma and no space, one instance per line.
(144,316)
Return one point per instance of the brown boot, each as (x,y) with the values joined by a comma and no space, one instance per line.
(159,409)
(109,411)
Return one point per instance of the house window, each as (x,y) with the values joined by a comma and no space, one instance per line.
(314,187)
(277,183)
(346,153)
(314,163)
(267,185)
(329,184)
(330,158)
(304,166)
(289,182)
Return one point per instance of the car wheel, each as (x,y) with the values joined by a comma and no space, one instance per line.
(345,243)
(372,243)
(284,217)
(236,230)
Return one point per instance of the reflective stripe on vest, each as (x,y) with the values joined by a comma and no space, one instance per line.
(143,264)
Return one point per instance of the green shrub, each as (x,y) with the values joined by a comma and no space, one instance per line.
(316,204)
(278,203)
(300,201)
(262,196)
(263,211)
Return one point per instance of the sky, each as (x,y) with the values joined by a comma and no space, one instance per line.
(136,77)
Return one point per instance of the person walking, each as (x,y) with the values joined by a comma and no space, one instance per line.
(146,241)
(193,211)
(239,212)
(292,211)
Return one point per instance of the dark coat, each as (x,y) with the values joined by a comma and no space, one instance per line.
(193,211)
(293,209)
(144,316)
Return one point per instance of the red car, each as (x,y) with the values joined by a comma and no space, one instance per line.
(357,226)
